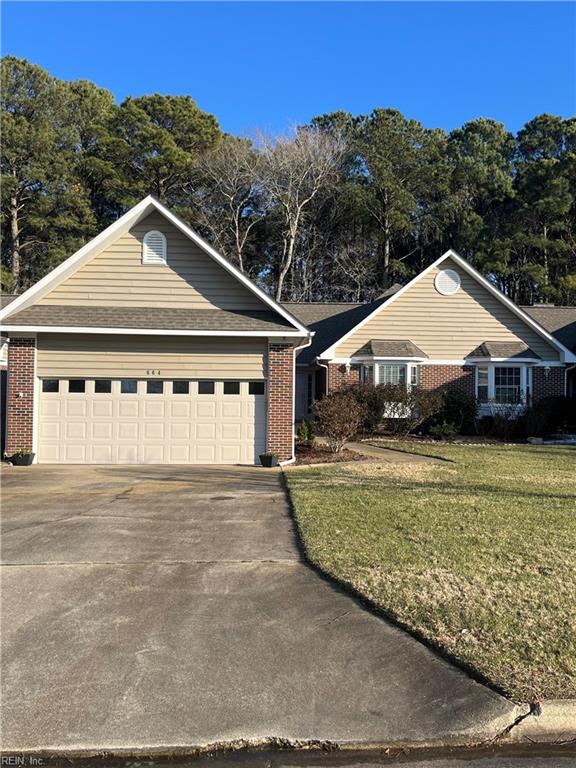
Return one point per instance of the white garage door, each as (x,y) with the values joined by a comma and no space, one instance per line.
(126,421)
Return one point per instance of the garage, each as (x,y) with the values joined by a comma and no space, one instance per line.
(151,421)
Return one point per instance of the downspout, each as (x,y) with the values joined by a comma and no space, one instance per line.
(566,369)
(295,349)
(324,365)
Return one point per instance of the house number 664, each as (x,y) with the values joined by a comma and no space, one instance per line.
(153,373)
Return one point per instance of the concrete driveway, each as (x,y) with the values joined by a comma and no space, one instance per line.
(156,608)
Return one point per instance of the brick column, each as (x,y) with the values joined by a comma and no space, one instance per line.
(280,399)
(339,377)
(547,383)
(20,395)
(442,377)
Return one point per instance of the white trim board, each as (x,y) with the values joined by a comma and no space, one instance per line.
(566,354)
(452,361)
(115,230)
(32,330)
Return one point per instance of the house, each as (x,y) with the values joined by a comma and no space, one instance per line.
(448,327)
(147,346)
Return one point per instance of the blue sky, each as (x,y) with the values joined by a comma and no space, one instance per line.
(269,65)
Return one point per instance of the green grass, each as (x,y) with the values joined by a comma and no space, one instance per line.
(478,556)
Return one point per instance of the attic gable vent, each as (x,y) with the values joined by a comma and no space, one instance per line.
(447,282)
(154,248)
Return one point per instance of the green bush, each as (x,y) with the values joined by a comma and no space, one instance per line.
(339,418)
(305,435)
(549,415)
(444,431)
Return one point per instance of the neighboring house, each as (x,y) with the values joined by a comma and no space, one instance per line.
(146,346)
(448,327)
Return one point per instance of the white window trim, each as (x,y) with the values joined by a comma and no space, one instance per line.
(410,366)
(150,258)
(525,382)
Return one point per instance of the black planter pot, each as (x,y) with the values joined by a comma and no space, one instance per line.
(268,461)
(22,459)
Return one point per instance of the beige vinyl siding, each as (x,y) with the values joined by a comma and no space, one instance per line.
(117,277)
(111,356)
(447,327)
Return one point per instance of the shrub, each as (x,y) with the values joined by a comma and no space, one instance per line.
(443,431)
(372,401)
(461,409)
(305,435)
(505,420)
(405,410)
(551,414)
(339,417)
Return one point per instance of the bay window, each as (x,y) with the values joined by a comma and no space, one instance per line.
(504,384)
(405,374)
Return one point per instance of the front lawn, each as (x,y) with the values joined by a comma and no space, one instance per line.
(478,556)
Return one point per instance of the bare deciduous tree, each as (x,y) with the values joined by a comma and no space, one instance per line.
(292,171)
(227,200)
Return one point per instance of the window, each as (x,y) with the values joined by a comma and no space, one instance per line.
(231,387)
(366,374)
(256,388)
(50,385)
(102,386)
(154,387)
(482,385)
(507,385)
(180,387)
(128,386)
(154,248)
(391,374)
(414,376)
(205,387)
(77,385)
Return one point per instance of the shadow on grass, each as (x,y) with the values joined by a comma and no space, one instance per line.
(364,602)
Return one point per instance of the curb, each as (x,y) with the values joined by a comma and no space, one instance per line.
(551,721)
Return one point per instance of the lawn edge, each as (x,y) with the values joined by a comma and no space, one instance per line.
(348,588)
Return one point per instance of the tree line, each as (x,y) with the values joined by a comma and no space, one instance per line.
(339,209)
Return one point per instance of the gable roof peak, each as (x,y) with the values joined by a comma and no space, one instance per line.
(116,230)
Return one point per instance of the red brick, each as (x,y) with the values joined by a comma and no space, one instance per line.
(20,410)
(280,399)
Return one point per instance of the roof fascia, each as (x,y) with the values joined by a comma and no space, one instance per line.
(33,329)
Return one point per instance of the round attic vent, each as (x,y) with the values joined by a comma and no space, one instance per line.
(447,282)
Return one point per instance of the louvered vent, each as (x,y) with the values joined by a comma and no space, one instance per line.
(154,248)
(447,282)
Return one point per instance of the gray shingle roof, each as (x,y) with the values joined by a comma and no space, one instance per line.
(330,321)
(559,321)
(144,317)
(7,298)
(390,348)
(506,349)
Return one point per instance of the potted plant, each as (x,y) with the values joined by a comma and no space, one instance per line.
(269,459)
(22,458)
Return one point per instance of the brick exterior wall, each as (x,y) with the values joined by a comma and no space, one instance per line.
(547,383)
(339,377)
(442,377)
(20,410)
(280,399)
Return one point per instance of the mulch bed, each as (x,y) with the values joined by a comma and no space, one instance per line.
(322,455)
